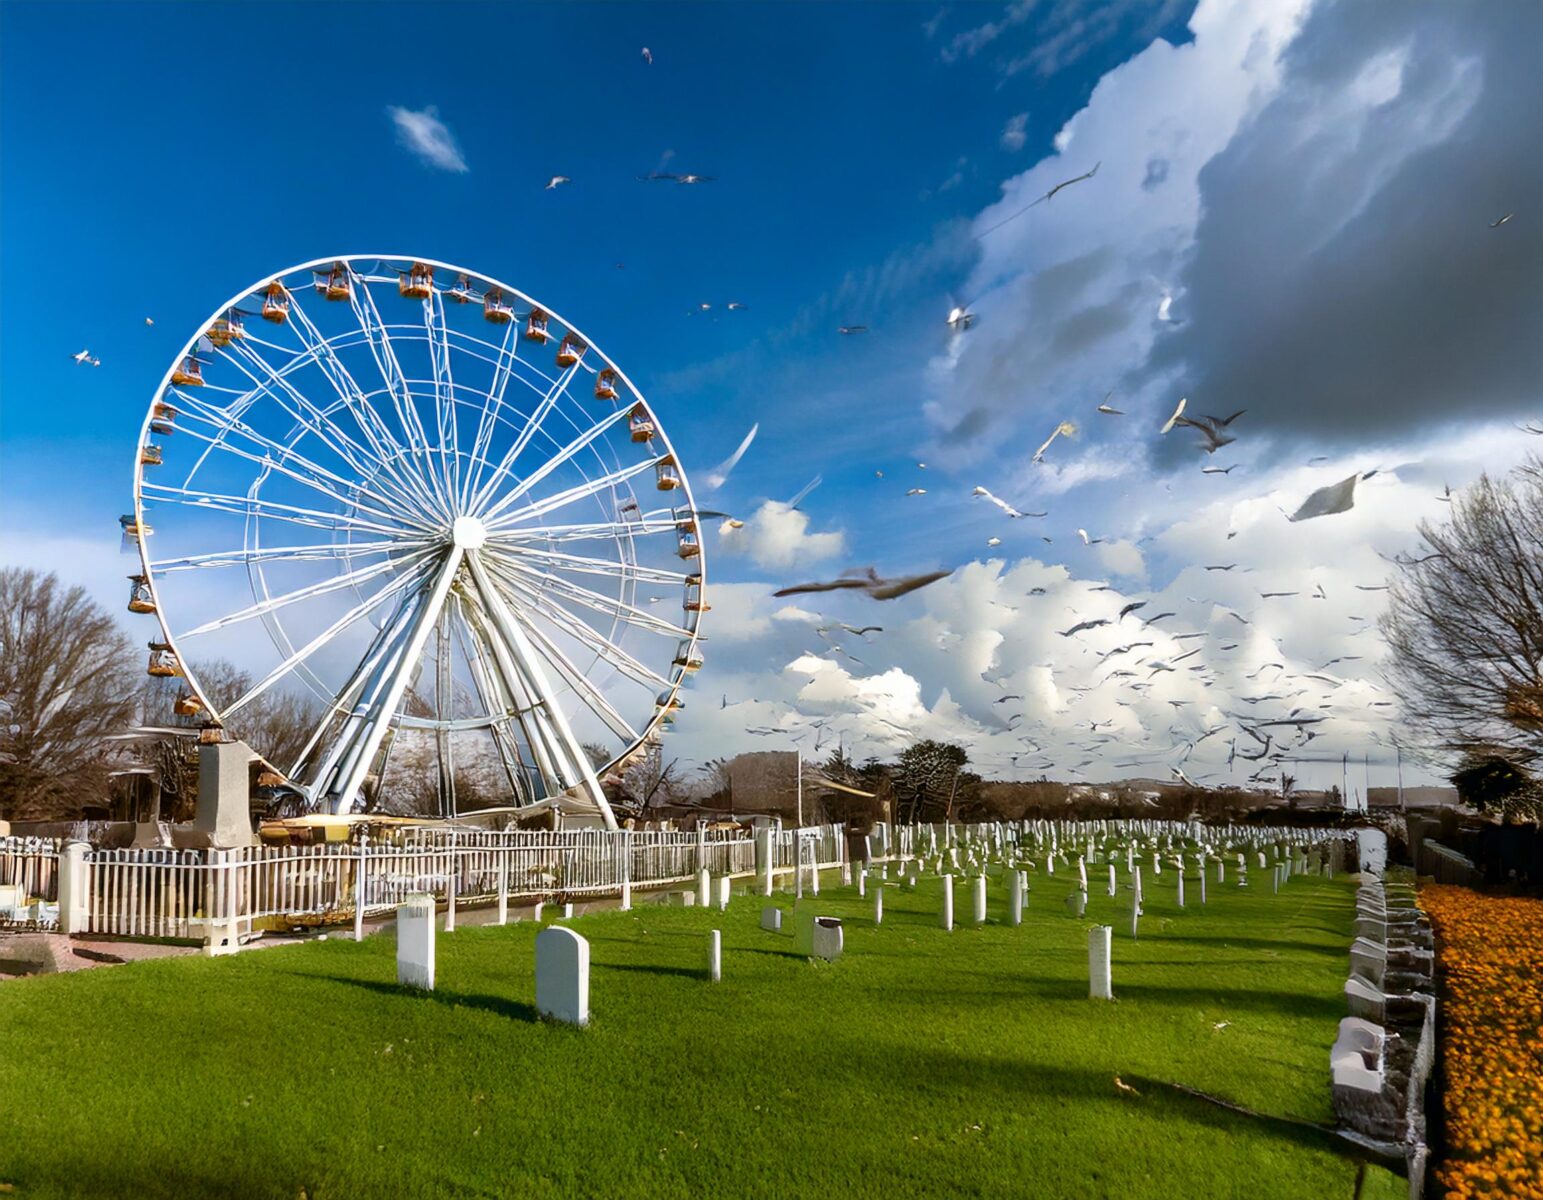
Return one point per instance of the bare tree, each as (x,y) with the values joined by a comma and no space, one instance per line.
(649,781)
(66,676)
(1464,624)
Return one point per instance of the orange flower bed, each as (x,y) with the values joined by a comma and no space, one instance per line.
(1491,950)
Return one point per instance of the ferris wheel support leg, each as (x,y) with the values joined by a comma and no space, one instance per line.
(340,791)
(580,771)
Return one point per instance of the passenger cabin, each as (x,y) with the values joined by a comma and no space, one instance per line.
(140,598)
(605,385)
(690,546)
(694,602)
(187,705)
(535,326)
(688,659)
(226,329)
(494,309)
(188,373)
(337,285)
(666,475)
(417,282)
(461,293)
(276,304)
(163,662)
(669,701)
(641,424)
(163,419)
(132,529)
(149,456)
(570,351)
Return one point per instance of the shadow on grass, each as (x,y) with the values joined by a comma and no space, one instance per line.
(501,1006)
(650,969)
(1322,1008)
(1248,943)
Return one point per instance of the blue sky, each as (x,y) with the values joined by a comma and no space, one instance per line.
(1291,216)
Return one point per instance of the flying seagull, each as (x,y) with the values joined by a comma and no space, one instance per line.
(1132,607)
(1065,183)
(960,318)
(720,474)
(648,56)
(1335,498)
(1219,470)
(1086,540)
(1177,413)
(1003,504)
(1108,411)
(1064,428)
(1081,625)
(805,490)
(557,181)
(851,329)
(1502,221)
(916,492)
(868,581)
(1211,429)
(695,178)
(84,357)
(736,306)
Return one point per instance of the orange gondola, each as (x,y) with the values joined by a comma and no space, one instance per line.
(494,309)
(641,424)
(417,282)
(141,599)
(227,329)
(163,662)
(535,326)
(605,385)
(276,304)
(188,373)
(666,475)
(337,284)
(570,351)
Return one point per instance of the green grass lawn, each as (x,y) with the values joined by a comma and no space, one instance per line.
(922,1063)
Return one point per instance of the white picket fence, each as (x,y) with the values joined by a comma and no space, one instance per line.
(29,883)
(153,893)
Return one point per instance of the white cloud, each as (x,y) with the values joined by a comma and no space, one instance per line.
(428,137)
(1015,132)
(1122,558)
(778,536)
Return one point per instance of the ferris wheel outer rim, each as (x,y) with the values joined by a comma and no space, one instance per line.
(211,714)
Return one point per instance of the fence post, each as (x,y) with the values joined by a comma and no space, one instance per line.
(451,886)
(74,889)
(359,870)
(626,870)
(503,884)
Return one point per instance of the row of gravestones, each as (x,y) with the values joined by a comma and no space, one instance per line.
(1382,1058)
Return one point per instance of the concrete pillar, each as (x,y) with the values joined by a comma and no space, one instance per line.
(714,955)
(74,889)
(562,975)
(224,794)
(946,913)
(979,914)
(415,942)
(1100,982)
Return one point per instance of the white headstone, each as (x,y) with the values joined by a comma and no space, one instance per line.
(723,883)
(862,882)
(946,912)
(714,955)
(827,938)
(1100,983)
(1014,898)
(878,905)
(771,919)
(415,942)
(562,975)
(1181,890)
(978,916)
(704,888)
(626,895)
(1112,883)
(567,910)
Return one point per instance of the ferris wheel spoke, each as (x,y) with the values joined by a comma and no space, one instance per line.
(395,382)
(531,600)
(389,453)
(444,388)
(596,566)
(532,425)
(564,455)
(316,552)
(250,506)
(309,592)
(370,467)
(582,491)
(310,478)
(586,691)
(596,602)
(415,576)
(487,418)
(597,531)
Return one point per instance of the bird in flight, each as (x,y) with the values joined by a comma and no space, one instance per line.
(648,56)
(149,320)
(1107,410)
(84,357)
(1066,183)
(1219,470)
(1502,221)
(695,178)
(736,306)
(557,181)
(1081,625)
(868,581)
(1065,428)
(1177,413)
(1086,540)
(719,475)
(960,318)
(916,492)
(1004,505)
(851,329)
(1210,428)
(1334,498)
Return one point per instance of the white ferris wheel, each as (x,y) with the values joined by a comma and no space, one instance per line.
(416,495)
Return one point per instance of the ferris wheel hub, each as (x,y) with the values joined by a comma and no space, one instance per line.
(468,533)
